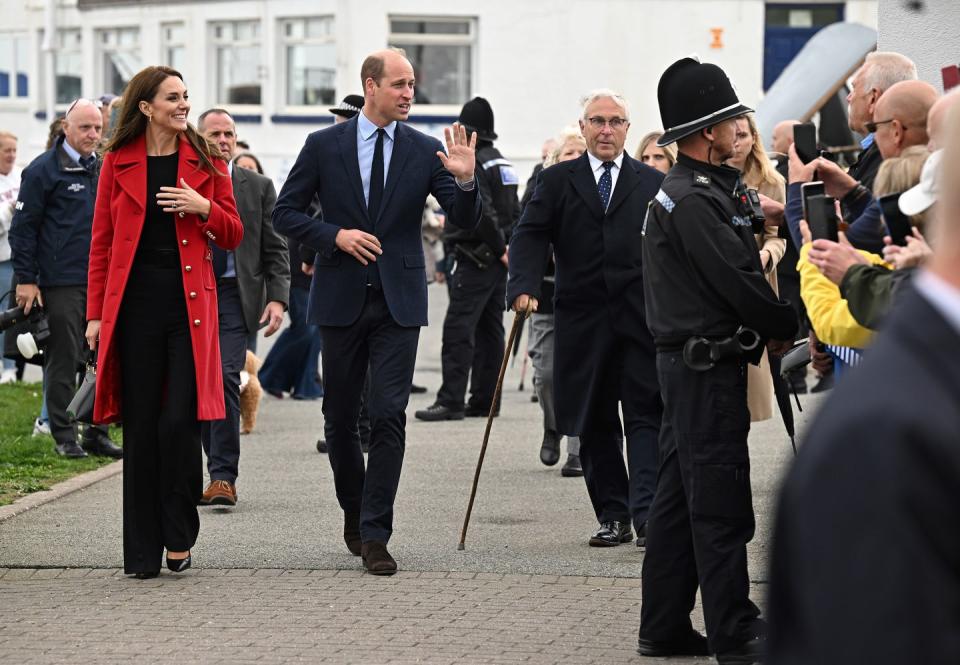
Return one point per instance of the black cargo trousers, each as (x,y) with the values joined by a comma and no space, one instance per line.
(701,518)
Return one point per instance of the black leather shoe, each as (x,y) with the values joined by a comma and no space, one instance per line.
(438,412)
(179,565)
(351,532)
(96,442)
(377,560)
(750,652)
(479,412)
(146,576)
(642,535)
(571,468)
(322,446)
(691,644)
(69,449)
(550,448)
(611,534)
(414,388)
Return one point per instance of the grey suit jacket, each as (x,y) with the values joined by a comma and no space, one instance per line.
(261,260)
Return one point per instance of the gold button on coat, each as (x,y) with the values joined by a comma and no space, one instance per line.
(184,242)
(187,268)
(193,294)
(196,322)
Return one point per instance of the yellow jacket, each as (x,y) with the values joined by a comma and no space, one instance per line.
(827,311)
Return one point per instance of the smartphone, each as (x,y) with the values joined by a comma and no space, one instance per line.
(805,141)
(898,224)
(822,218)
(809,189)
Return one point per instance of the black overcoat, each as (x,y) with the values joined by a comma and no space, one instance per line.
(600,324)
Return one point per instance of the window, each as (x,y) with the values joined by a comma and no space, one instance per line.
(236,58)
(13,66)
(68,65)
(174,39)
(119,57)
(310,61)
(441,51)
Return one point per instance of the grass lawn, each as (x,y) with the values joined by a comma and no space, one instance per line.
(29,464)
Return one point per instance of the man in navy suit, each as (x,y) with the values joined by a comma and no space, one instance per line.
(372,175)
(591,210)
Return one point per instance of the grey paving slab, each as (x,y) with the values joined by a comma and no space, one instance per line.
(275,575)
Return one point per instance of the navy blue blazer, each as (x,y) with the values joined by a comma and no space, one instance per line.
(328,168)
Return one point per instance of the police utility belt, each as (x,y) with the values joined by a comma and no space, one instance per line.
(701,353)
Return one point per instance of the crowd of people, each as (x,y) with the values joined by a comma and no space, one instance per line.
(663,288)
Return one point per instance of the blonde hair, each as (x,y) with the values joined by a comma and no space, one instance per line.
(898,174)
(566,135)
(4,134)
(948,180)
(758,170)
(651,137)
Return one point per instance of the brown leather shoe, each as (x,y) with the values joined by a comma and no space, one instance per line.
(219,493)
(376,559)
(351,532)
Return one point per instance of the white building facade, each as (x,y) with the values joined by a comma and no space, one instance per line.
(278,65)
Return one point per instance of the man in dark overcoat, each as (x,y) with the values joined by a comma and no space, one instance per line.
(591,209)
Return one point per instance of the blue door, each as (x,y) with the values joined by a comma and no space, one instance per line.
(788,28)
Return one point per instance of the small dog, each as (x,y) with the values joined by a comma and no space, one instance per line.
(250,393)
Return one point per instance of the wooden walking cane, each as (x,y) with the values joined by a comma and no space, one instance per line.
(517,326)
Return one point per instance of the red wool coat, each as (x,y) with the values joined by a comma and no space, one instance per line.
(117,222)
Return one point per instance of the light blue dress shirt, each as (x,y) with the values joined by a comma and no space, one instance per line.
(366,144)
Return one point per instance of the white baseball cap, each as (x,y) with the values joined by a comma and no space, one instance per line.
(924,194)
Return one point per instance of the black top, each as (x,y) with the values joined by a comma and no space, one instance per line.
(701,268)
(159,228)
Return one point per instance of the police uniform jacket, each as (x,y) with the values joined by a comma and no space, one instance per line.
(50,230)
(117,223)
(702,273)
(599,302)
(497,181)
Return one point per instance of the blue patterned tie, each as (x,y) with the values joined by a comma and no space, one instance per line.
(605,186)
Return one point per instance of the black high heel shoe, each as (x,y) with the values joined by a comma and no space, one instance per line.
(179,565)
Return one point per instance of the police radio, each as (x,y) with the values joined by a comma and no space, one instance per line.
(748,205)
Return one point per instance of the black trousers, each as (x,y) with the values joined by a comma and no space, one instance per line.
(221,438)
(617,492)
(473,335)
(702,515)
(162,465)
(389,350)
(66,308)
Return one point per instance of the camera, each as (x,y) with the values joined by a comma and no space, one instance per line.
(748,205)
(36,329)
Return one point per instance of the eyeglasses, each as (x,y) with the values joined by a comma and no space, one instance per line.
(872,126)
(599,123)
(96,103)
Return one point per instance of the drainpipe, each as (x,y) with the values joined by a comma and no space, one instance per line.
(49,47)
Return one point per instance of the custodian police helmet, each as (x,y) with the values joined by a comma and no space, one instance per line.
(694,95)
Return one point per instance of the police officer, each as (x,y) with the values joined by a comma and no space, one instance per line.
(703,283)
(473,326)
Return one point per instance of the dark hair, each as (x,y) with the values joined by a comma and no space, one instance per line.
(219,110)
(56,131)
(251,156)
(374,65)
(132,123)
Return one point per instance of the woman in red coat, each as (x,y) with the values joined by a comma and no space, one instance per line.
(152,304)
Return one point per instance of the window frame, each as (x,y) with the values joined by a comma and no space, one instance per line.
(282,42)
(213,43)
(470,39)
(14,99)
(101,52)
(166,45)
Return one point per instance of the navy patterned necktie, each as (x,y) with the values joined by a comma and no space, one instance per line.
(376,178)
(605,185)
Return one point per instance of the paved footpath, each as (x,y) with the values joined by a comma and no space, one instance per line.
(273,581)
